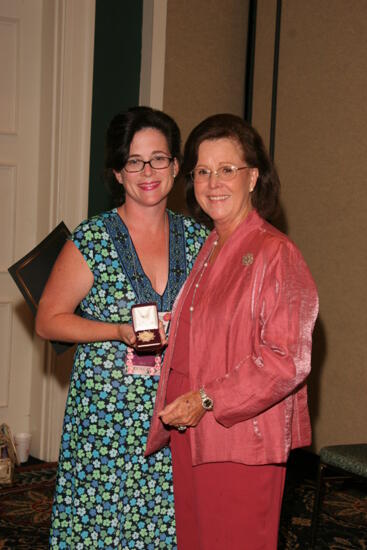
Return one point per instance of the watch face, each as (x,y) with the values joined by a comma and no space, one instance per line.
(207,403)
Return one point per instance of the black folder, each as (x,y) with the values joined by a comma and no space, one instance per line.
(31,272)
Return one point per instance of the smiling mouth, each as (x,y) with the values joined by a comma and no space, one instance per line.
(149,186)
(218,197)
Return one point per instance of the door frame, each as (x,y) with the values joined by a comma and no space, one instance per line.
(64,190)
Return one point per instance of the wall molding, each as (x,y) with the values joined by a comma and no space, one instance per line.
(6,324)
(153,53)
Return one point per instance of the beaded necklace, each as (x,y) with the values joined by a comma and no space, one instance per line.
(152,363)
(135,266)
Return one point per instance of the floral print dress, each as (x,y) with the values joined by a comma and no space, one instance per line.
(108,495)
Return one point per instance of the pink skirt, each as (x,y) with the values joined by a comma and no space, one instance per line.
(222,506)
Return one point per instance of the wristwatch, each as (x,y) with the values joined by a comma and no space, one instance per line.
(206,401)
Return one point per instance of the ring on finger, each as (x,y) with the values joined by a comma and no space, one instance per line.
(182,428)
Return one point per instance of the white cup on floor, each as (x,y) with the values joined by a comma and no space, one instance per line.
(22,444)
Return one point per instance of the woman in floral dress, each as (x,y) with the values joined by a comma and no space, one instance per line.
(108,495)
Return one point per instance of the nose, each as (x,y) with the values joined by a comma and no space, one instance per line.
(213,180)
(147,169)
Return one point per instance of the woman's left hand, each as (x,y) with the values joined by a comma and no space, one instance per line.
(186,410)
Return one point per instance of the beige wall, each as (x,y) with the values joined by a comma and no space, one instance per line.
(205,63)
(320,150)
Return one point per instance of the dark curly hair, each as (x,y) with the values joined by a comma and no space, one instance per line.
(265,196)
(120,133)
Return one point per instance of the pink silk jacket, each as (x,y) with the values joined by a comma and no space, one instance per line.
(250,348)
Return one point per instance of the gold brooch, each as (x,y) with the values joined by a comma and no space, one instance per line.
(247,259)
(146,336)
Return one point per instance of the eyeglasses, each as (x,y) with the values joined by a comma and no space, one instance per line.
(225,173)
(156,163)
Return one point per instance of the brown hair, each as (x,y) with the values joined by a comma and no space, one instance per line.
(120,134)
(265,196)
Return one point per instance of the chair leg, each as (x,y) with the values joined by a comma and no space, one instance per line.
(317,504)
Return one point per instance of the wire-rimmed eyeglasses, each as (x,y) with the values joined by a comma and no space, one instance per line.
(225,173)
(158,162)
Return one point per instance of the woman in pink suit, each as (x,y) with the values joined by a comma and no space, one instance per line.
(232,398)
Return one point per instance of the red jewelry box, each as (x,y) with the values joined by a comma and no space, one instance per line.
(146,327)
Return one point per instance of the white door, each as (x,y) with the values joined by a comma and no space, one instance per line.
(20,81)
(46,66)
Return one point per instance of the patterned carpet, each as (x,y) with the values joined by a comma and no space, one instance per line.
(343,517)
(25,509)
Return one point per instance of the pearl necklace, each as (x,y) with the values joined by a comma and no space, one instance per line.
(197,284)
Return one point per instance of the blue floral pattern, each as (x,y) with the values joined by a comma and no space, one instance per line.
(108,495)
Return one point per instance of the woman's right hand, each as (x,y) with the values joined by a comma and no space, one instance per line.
(127,334)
